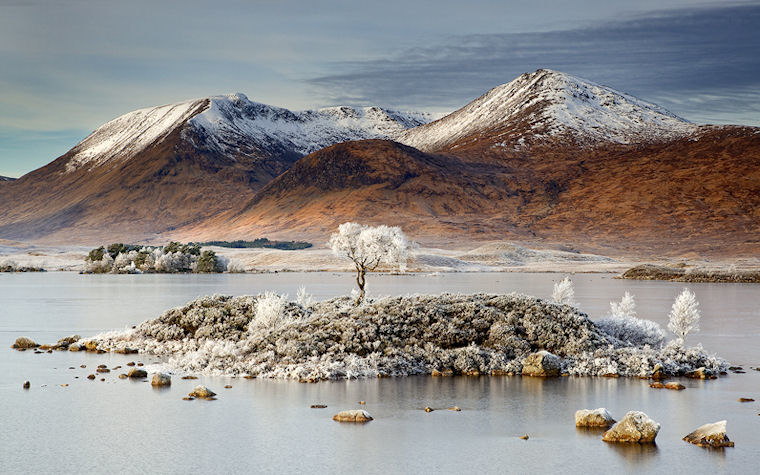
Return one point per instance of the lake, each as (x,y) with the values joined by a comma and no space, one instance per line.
(267,426)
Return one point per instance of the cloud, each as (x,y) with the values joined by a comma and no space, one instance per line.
(686,59)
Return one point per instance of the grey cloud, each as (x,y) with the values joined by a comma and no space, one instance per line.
(687,59)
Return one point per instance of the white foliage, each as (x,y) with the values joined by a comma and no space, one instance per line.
(98,267)
(270,311)
(235,266)
(370,246)
(626,308)
(623,324)
(303,298)
(684,315)
(563,293)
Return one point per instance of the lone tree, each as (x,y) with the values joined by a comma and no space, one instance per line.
(684,315)
(368,247)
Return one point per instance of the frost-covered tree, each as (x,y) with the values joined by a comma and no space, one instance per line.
(623,324)
(684,315)
(368,247)
(563,293)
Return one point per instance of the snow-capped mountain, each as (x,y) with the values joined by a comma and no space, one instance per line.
(550,104)
(233,125)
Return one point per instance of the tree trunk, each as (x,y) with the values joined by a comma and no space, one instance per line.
(360,281)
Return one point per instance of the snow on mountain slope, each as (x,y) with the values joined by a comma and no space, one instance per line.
(229,124)
(549,103)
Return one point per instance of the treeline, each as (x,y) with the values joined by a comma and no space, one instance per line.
(175,257)
(260,243)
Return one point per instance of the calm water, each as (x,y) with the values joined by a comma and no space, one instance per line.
(268,427)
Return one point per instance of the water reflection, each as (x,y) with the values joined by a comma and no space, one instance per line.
(634,454)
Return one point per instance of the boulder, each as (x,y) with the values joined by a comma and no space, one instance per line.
(103,370)
(91,345)
(658,373)
(657,385)
(593,418)
(542,364)
(357,415)
(24,343)
(710,435)
(68,341)
(75,347)
(161,379)
(202,392)
(700,373)
(675,386)
(634,427)
(90,376)
(137,373)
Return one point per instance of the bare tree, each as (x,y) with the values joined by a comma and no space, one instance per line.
(368,247)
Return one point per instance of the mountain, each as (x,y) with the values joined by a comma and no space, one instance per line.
(547,107)
(547,159)
(156,169)
(6,179)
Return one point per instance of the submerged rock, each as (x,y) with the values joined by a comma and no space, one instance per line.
(137,373)
(161,379)
(700,373)
(674,386)
(593,418)
(710,435)
(634,427)
(658,373)
(542,363)
(24,343)
(27,385)
(357,415)
(202,392)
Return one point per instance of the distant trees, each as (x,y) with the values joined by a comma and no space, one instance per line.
(368,247)
(175,257)
(684,315)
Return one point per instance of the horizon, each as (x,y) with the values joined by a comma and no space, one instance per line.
(68,73)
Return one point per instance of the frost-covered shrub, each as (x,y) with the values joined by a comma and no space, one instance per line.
(270,311)
(303,298)
(684,315)
(563,293)
(235,266)
(100,266)
(623,324)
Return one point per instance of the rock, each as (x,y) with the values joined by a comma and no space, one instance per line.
(471,372)
(700,373)
(75,347)
(139,364)
(593,418)
(445,372)
(90,376)
(102,379)
(362,403)
(429,409)
(318,406)
(45,347)
(542,364)
(710,435)
(674,386)
(657,385)
(102,366)
(357,415)
(746,399)
(83,366)
(454,408)
(103,370)
(91,345)
(131,363)
(658,373)
(27,385)
(65,385)
(24,343)
(228,386)
(67,341)
(500,372)
(188,398)
(125,351)
(202,392)
(730,368)
(137,373)
(115,368)
(189,377)
(524,437)
(123,376)
(634,427)
(161,379)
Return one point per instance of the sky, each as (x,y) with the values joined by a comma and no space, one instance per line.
(68,66)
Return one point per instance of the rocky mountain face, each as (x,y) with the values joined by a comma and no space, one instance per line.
(157,169)
(548,160)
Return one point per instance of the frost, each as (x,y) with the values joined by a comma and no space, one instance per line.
(684,315)
(626,327)
(563,293)
(268,336)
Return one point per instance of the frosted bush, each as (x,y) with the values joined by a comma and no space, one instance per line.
(563,293)
(623,324)
(270,311)
(235,266)
(303,298)
(684,315)
(104,265)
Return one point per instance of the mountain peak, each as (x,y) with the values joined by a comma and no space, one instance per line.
(547,104)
